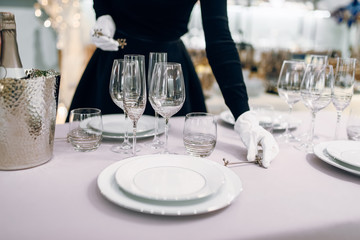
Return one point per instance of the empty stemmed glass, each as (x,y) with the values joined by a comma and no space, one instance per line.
(155,57)
(343,87)
(167,92)
(116,93)
(315,90)
(288,87)
(134,90)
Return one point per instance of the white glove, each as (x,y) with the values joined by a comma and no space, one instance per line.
(252,135)
(103,32)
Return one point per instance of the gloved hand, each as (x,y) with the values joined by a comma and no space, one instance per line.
(103,32)
(252,135)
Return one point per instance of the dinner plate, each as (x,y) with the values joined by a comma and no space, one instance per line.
(346,151)
(145,121)
(115,124)
(229,191)
(321,152)
(227,117)
(170,177)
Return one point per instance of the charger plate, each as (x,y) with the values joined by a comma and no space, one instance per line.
(227,193)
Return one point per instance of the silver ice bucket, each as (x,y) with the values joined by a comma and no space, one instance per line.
(27,119)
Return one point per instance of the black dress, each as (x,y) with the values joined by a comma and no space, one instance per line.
(156,26)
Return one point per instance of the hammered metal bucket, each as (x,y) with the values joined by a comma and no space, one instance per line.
(27,120)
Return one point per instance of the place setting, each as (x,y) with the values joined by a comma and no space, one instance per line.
(341,153)
(167,183)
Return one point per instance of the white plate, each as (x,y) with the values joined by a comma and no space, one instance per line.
(346,151)
(281,126)
(227,117)
(321,152)
(115,124)
(144,120)
(226,195)
(170,177)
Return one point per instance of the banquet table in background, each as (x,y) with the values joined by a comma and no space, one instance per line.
(298,197)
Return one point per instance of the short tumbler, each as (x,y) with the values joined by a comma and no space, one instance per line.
(353,125)
(200,133)
(85,129)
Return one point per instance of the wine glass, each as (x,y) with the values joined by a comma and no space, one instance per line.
(317,60)
(155,57)
(167,92)
(288,87)
(343,87)
(315,90)
(134,90)
(116,93)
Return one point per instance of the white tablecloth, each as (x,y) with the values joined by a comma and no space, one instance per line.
(298,197)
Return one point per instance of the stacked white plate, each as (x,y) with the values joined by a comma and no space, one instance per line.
(278,124)
(166,184)
(341,154)
(114,126)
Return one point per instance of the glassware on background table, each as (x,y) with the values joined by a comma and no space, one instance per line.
(288,87)
(200,134)
(343,87)
(167,92)
(85,129)
(318,59)
(155,57)
(134,90)
(116,93)
(315,90)
(353,124)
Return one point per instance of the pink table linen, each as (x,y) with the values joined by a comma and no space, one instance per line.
(298,197)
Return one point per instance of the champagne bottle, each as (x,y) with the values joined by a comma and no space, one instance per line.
(10,63)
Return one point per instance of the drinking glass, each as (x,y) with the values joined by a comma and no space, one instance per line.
(167,92)
(288,86)
(116,93)
(343,87)
(134,90)
(199,134)
(315,90)
(318,59)
(85,129)
(155,57)
(353,124)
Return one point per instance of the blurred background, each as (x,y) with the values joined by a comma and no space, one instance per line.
(55,34)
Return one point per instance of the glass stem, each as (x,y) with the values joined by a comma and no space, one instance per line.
(338,120)
(126,135)
(166,135)
(312,129)
(156,126)
(287,131)
(134,137)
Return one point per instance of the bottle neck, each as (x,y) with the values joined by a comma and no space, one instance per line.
(9,50)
